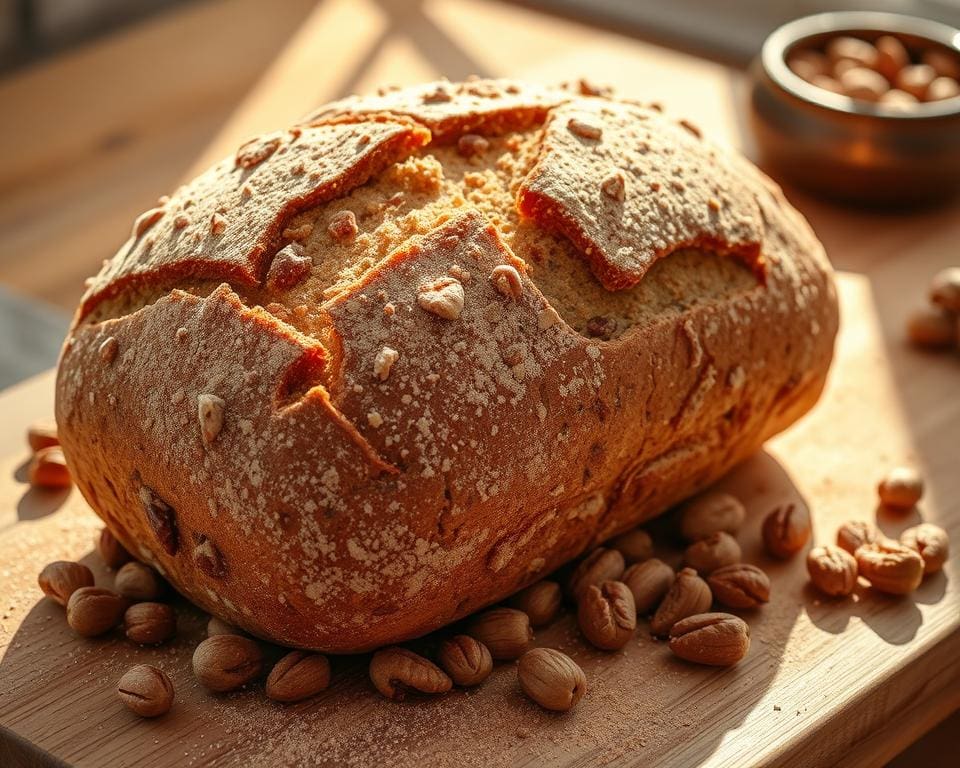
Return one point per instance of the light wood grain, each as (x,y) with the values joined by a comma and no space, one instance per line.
(92,138)
(826,682)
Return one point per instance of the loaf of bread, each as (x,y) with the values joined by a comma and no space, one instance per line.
(385,367)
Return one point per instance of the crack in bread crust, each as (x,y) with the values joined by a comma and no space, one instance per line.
(449,394)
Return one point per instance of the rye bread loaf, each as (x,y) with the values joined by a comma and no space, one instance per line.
(385,367)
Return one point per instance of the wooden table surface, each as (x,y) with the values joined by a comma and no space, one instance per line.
(847,682)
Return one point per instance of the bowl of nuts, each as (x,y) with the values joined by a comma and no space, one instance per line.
(861,106)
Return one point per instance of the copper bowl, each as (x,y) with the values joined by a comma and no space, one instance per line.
(850,149)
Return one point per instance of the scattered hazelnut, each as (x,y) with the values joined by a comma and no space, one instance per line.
(635,546)
(931,541)
(786,530)
(42,435)
(901,489)
(505,631)
(600,565)
(714,551)
(853,534)
(832,570)
(146,691)
(48,469)
(649,582)
(551,678)
(136,581)
(740,585)
(219,627)
(226,662)
(607,615)
(688,595)
(932,328)
(717,639)
(890,566)
(112,552)
(541,602)
(91,611)
(59,580)
(396,671)
(150,623)
(710,513)
(945,289)
(466,660)
(298,676)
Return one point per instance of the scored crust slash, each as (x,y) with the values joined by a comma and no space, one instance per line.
(390,365)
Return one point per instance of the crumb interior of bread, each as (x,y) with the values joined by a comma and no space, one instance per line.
(412,197)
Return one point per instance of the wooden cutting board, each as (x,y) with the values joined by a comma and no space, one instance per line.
(846,682)
(826,682)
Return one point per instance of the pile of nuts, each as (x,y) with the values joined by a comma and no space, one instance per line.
(892,567)
(612,588)
(882,71)
(937,326)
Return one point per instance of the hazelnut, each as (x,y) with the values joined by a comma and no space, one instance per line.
(137,581)
(943,88)
(607,615)
(59,580)
(931,541)
(890,567)
(832,570)
(891,56)
(599,566)
(297,676)
(226,662)
(648,581)
(42,435)
(551,678)
(635,546)
(112,552)
(853,49)
(714,551)
(150,623)
(717,639)
(466,660)
(396,671)
(146,691)
(808,64)
(931,328)
(901,489)
(786,530)
(91,611)
(709,513)
(864,84)
(945,289)
(853,534)
(48,469)
(740,585)
(541,602)
(688,595)
(505,631)
(915,79)
(220,627)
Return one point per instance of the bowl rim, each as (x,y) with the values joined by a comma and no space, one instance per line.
(786,36)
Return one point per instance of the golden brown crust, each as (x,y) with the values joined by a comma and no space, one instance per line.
(442,437)
(628,187)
